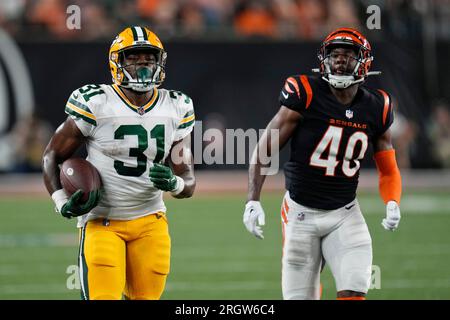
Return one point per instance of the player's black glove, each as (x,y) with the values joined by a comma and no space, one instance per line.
(74,207)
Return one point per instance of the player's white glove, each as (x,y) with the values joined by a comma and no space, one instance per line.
(392,216)
(254,218)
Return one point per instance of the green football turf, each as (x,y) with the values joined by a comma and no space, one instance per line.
(214,257)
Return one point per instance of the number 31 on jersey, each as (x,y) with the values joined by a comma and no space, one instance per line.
(156,133)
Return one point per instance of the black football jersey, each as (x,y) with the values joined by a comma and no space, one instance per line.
(331,140)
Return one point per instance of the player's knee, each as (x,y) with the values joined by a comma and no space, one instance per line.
(356,282)
(303,293)
(161,267)
(355,270)
(152,290)
(301,296)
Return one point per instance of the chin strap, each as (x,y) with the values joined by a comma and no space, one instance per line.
(343,82)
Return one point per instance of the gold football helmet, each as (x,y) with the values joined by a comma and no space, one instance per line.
(146,78)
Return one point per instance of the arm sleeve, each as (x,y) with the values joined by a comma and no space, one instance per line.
(187,120)
(81,112)
(390,180)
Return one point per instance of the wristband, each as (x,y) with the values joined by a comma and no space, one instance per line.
(60,198)
(251,203)
(179,186)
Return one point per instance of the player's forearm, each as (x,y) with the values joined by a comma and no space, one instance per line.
(66,140)
(255,182)
(189,185)
(50,171)
(255,177)
(275,137)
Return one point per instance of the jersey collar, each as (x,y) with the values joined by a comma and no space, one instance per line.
(139,109)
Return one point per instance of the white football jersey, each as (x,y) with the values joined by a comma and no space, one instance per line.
(123,142)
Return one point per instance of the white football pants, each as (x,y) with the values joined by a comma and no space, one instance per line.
(340,237)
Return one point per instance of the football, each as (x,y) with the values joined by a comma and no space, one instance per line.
(78,173)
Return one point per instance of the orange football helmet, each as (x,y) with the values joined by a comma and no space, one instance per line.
(346,37)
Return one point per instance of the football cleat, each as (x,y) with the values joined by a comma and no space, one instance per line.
(137,38)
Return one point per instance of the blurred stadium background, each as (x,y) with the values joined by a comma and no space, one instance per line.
(231,57)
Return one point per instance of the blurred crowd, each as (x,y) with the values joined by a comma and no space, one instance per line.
(279,19)
(423,145)
(43,20)
(438,131)
(22,148)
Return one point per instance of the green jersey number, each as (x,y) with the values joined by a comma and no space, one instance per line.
(175,94)
(90,90)
(156,133)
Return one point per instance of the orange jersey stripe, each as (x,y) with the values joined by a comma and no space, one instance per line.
(307,86)
(386,105)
